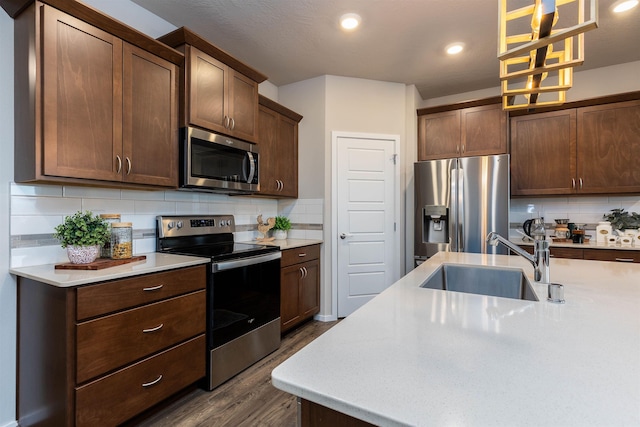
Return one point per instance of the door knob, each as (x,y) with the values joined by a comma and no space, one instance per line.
(345,235)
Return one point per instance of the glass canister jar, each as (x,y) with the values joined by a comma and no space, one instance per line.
(121,240)
(105,251)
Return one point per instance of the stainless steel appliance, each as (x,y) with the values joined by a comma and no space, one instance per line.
(458,202)
(218,163)
(243,290)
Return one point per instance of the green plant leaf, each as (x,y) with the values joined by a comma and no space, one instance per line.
(82,229)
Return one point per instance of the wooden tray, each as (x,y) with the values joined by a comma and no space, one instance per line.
(99,263)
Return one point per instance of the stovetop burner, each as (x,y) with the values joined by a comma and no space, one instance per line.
(208,236)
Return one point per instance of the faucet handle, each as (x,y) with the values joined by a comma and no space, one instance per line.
(556,293)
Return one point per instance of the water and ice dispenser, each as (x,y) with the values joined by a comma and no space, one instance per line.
(435,224)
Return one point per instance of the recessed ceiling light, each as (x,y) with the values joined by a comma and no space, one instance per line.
(454,48)
(624,5)
(349,21)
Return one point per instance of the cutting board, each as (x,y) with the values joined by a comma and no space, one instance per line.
(99,263)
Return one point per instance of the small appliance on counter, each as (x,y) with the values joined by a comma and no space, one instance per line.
(561,231)
(534,228)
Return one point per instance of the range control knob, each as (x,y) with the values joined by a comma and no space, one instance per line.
(170,225)
(179,225)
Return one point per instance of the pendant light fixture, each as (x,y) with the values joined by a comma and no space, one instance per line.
(544,53)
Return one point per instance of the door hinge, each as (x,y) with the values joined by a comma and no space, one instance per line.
(395,158)
(394,226)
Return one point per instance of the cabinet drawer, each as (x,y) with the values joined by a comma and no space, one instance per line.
(297,255)
(117,397)
(572,253)
(612,255)
(96,300)
(113,341)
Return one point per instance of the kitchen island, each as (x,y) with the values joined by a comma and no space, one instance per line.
(424,357)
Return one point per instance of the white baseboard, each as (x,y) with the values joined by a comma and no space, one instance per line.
(325,318)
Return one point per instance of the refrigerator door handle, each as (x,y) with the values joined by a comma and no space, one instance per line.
(460,213)
(453,210)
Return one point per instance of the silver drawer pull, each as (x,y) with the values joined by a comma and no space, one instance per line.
(156,381)
(157,328)
(302,254)
(152,288)
(624,259)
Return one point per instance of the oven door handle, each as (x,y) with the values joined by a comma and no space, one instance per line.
(244,262)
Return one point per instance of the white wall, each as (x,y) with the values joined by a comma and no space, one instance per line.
(7,282)
(333,103)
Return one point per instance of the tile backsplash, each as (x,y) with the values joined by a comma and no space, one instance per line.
(37,209)
(582,210)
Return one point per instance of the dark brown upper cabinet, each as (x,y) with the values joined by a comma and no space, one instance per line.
(218,92)
(468,129)
(278,142)
(101,110)
(586,150)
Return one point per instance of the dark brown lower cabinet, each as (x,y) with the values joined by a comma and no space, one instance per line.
(619,255)
(101,354)
(299,285)
(314,415)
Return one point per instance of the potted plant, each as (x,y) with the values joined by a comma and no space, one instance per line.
(621,220)
(82,234)
(281,227)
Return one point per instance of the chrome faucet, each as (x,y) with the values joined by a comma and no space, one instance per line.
(539,260)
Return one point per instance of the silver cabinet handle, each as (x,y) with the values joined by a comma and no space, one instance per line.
(156,381)
(573,183)
(463,148)
(301,273)
(157,328)
(580,180)
(119,166)
(128,165)
(152,288)
(233,123)
(624,259)
(302,254)
(306,273)
(226,122)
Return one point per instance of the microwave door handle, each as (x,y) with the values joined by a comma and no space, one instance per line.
(252,166)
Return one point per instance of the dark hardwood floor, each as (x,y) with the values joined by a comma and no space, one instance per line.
(246,400)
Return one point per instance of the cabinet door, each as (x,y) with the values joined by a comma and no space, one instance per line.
(150,122)
(207,86)
(310,289)
(82,93)
(290,296)
(268,145)
(543,153)
(439,135)
(287,152)
(484,130)
(609,148)
(612,255)
(243,106)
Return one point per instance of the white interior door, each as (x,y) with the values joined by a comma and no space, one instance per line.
(367,240)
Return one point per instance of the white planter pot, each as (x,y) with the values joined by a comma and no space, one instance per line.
(280,234)
(83,254)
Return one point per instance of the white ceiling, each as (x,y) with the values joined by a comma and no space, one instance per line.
(399,40)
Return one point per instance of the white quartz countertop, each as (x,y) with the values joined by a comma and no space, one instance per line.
(154,262)
(423,357)
(290,243)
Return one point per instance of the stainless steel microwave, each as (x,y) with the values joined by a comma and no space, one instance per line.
(218,163)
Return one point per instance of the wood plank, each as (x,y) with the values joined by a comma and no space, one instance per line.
(99,263)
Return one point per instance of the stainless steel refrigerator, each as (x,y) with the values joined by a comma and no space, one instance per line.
(458,202)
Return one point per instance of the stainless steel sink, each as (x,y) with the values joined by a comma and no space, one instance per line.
(493,281)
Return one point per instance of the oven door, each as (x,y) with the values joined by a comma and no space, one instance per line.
(244,295)
(216,162)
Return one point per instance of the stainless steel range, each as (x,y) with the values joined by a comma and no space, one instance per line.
(243,290)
